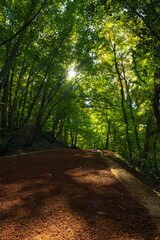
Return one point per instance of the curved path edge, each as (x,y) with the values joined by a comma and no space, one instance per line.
(144,194)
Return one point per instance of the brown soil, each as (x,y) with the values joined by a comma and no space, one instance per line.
(67,194)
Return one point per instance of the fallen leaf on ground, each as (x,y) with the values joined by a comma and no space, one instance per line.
(102,213)
(121,207)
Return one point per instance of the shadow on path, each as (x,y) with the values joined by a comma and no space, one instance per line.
(67,194)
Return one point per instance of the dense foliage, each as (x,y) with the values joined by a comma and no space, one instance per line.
(86,71)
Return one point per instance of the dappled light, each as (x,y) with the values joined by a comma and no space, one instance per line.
(83,78)
(83,75)
(71,195)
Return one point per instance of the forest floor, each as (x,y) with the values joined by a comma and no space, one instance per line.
(67,194)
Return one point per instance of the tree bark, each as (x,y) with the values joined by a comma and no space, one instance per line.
(75,140)
(108,133)
(155,156)
(131,108)
(5,102)
(123,107)
(156,104)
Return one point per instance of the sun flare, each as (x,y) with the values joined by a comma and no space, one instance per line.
(72,73)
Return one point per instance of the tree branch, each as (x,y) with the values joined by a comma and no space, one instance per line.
(25,25)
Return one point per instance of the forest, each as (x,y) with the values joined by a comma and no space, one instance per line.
(87,72)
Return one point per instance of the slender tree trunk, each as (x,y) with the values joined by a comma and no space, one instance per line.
(26,24)
(14,102)
(5,102)
(7,66)
(54,126)
(123,108)
(135,68)
(72,138)
(10,101)
(156,103)
(156,97)
(53,106)
(131,108)
(75,140)
(155,155)
(37,124)
(108,133)
(146,143)
(60,128)
(43,80)
(65,137)
(20,34)
(114,139)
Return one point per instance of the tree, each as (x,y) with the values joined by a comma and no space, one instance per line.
(113,47)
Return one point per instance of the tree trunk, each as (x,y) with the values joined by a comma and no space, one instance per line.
(75,141)
(60,128)
(123,107)
(156,104)
(108,133)
(146,142)
(114,139)
(155,155)
(156,98)
(131,109)
(72,138)
(10,102)
(5,102)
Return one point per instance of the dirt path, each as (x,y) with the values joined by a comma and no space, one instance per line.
(67,194)
(148,198)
